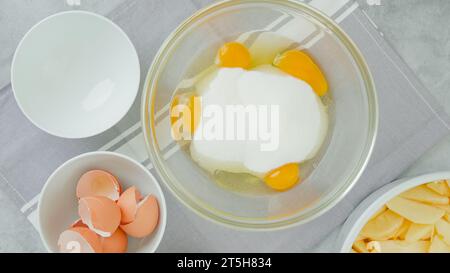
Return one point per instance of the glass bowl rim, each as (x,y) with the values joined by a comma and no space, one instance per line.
(205,210)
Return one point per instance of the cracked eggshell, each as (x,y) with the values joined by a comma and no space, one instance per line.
(128,204)
(100,214)
(58,206)
(98,183)
(79,240)
(78,223)
(116,243)
(146,218)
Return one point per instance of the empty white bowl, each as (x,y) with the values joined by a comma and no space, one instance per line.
(361,215)
(75,74)
(58,204)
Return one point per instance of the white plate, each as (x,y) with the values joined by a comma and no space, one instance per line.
(376,200)
(58,204)
(75,74)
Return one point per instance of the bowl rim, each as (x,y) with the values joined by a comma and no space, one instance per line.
(63,13)
(212,214)
(362,213)
(162,202)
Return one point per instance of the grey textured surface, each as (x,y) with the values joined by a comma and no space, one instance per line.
(418,30)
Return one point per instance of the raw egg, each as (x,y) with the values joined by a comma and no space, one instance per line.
(98,183)
(234,54)
(184,115)
(297,130)
(146,218)
(300,65)
(283,178)
(100,214)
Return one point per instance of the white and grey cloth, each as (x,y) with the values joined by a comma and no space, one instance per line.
(411,121)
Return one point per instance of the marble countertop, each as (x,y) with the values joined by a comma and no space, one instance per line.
(417,30)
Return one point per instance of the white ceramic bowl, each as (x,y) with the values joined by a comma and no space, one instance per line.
(58,204)
(75,74)
(376,200)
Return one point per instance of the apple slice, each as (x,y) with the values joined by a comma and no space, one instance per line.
(418,232)
(414,211)
(360,246)
(401,232)
(438,246)
(440,187)
(360,238)
(383,227)
(398,246)
(444,207)
(378,212)
(425,195)
(447,217)
(443,229)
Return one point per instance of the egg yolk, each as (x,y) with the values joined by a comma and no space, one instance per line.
(300,65)
(188,115)
(234,54)
(284,177)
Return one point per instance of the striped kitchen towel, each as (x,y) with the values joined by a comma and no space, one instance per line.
(410,122)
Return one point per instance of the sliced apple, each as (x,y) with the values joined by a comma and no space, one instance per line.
(360,238)
(378,212)
(414,211)
(360,246)
(418,232)
(401,232)
(373,247)
(447,217)
(446,208)
(438,246)
(383,227)
(425,195)
(440,187)
(443,229)
(400,246)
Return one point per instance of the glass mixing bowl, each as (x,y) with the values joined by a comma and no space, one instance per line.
(352,107)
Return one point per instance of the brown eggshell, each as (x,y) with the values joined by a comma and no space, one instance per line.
(128,203)
(146,218)
(100,214)
(117,243)
(98,183)
(79,240)
(78,223)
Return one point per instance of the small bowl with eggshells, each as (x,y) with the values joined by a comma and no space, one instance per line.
(101,202)
(410,215)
